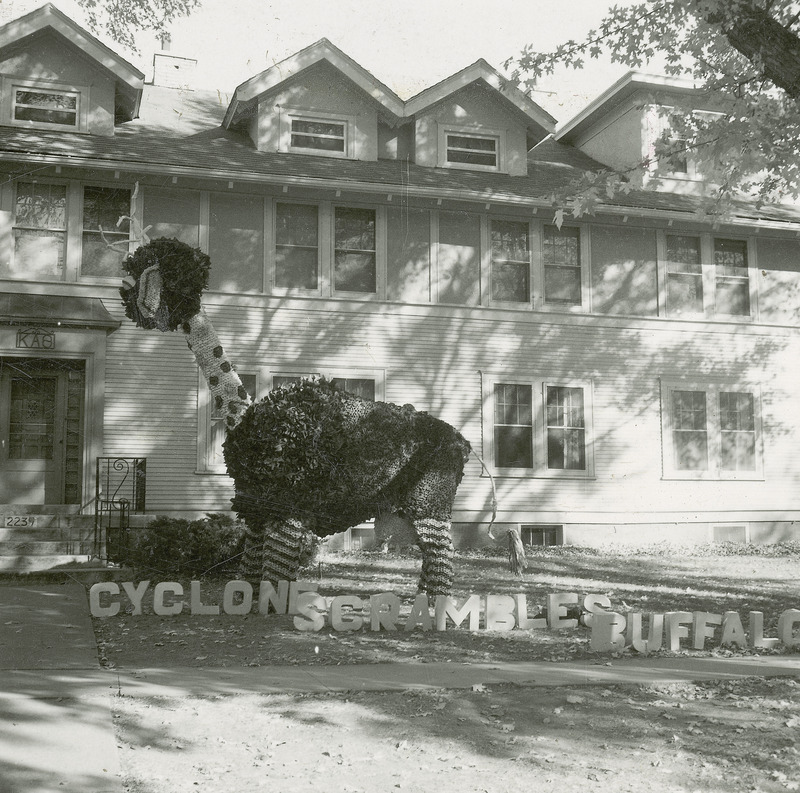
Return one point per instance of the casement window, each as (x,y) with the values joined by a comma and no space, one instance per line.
(711,432)
(562,263)
(354,257)
(210,458)
(539,428)
(296,246)
(45,107)
(707,276)
(511,261)
(40,230)
(104,241)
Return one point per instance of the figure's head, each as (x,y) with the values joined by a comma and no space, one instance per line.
(163,284)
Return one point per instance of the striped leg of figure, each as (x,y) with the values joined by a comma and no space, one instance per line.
(281,551)
(433,538)
(250,569)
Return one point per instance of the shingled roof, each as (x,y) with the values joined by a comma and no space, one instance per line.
(180,132)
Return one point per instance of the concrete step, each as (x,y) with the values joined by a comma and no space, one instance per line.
(39,509)
(40,548)
(28,563)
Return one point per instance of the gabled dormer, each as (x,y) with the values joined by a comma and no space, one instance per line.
(620,127)
(319,101)
(54,75)
(476,120)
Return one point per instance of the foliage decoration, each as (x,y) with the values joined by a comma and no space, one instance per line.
(184,275)
(332,459)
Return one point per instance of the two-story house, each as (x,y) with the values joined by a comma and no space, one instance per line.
(629,377)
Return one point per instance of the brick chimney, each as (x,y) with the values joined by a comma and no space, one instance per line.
(170,70)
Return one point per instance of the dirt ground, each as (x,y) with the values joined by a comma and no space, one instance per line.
(737,737)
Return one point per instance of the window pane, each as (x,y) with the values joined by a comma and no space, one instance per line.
(38,253)
(41,206)
(689,430)
(354,262)
(566,434)
(683,254)
(46,107)
(510,261)
(102,208)
(513,431)
(472,150)
(32,418)
(317,135)
(684,294)
(562,265)
(733,283)
(738,431)
(296,254)
(173,213)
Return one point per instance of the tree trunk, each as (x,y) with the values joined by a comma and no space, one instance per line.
(764,41)
(516,553)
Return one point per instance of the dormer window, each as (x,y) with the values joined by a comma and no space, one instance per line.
(324,136)
(473,149)
(318,133)
(44,105)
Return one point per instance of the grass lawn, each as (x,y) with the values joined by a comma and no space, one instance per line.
(713,579)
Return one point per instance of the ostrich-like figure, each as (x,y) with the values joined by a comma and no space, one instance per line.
(310,457)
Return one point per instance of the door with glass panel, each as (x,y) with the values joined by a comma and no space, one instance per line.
(41,432)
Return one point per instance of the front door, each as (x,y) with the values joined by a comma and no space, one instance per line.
(41,416)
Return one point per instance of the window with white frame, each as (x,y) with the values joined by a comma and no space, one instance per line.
(707,276)
(471,150)
(318,135)
(562,266)
(684,275)
(365,384)
(511,261)
(40,230)
(296,246)
(711,431)
(539,427)
(36,106)
(106,231)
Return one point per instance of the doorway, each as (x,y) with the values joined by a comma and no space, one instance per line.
(41,430)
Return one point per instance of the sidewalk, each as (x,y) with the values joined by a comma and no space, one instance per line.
(56,730)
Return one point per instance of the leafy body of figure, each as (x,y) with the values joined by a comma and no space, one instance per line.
(308,457)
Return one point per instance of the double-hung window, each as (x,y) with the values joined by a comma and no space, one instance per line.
(561,259)
(40,230)
(707,276)
(711,431)
(296,246)
(355,250)
(105,243)
(472,150)
(539,427)
(511,261)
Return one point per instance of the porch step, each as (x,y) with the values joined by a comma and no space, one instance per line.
(38,537)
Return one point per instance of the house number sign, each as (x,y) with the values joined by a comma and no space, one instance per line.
(36,339)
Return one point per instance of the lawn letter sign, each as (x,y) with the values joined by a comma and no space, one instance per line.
(610,631)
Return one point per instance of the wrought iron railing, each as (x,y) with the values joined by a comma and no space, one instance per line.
(119,493)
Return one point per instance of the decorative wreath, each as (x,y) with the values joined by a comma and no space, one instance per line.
(166,279)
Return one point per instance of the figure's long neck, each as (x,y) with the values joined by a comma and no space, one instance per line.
(228,395)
